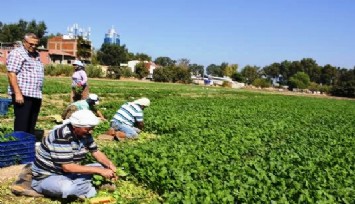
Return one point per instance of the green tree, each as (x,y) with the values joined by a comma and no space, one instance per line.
(300,80)
(250,73)
(183,62)
(181,75)
(84,48)
(328,75)
(172,74)
(142,57)
(237,77)
(15,31)
(295,67)
(164,61)
(311,68)
(196,69)
(284,71)
(162,74)
(273,70)
(214,70)
(141,70)
(112,55)
(230,70)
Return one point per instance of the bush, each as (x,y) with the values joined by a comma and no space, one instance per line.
(162,74)
(263,83)
(93,71)
(141,71)
(345,89)
(114,72)
(58,70)
(300,80)
(227,84)
(172,74)
(126,72)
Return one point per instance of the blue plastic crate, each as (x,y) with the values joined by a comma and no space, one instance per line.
(21,151)
(4,105)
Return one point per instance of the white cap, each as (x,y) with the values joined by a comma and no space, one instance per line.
(142,102)
(84,118)
(95,98)
(78,62)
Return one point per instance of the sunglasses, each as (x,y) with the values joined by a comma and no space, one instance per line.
(31,44)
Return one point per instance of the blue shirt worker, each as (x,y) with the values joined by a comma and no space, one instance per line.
(26,74)
(87,104)
(128,120)
(57,170)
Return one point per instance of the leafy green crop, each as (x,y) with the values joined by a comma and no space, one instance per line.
(216,145)
(3,132)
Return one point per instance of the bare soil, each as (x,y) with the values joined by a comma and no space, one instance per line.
(10,173)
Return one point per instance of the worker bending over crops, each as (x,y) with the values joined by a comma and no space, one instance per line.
(87,104)
(57,171)
(128,120)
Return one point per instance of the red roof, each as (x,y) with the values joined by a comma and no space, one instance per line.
(59,52)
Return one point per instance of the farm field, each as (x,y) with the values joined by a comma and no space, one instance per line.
(219,145)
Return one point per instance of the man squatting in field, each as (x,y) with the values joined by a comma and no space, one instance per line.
(128,120)
(87,104)
(57,171)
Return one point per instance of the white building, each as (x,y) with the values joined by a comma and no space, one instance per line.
(149,65)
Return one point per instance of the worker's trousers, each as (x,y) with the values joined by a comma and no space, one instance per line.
(131,132)
(62,186)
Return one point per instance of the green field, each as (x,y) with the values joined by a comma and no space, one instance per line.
(219,145)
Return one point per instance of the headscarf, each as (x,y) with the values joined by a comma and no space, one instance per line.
(84,118)
(143,102)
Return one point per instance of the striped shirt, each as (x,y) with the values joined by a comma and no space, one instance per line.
(129,114)
(60,147)
(29,72)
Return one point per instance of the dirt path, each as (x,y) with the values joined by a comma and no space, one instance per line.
(10,172)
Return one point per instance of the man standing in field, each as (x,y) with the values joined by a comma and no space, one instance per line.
(25,73)
(128,120)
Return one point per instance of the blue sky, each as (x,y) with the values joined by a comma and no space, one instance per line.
(249,32)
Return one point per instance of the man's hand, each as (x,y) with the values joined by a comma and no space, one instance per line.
(112,167)
(107,173)
(19,98)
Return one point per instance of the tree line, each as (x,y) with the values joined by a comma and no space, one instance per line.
(303,74)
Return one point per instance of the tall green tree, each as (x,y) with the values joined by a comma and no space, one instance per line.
(141,70)
(311,68)
(273,70)
(183,62)
(196,69)
(164,61)
(230,70)
(295,67)
(250,73)
(285,71)
(84,48)
(214,70)
(112,55)
(15,31)
(328,75)
(142,57)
